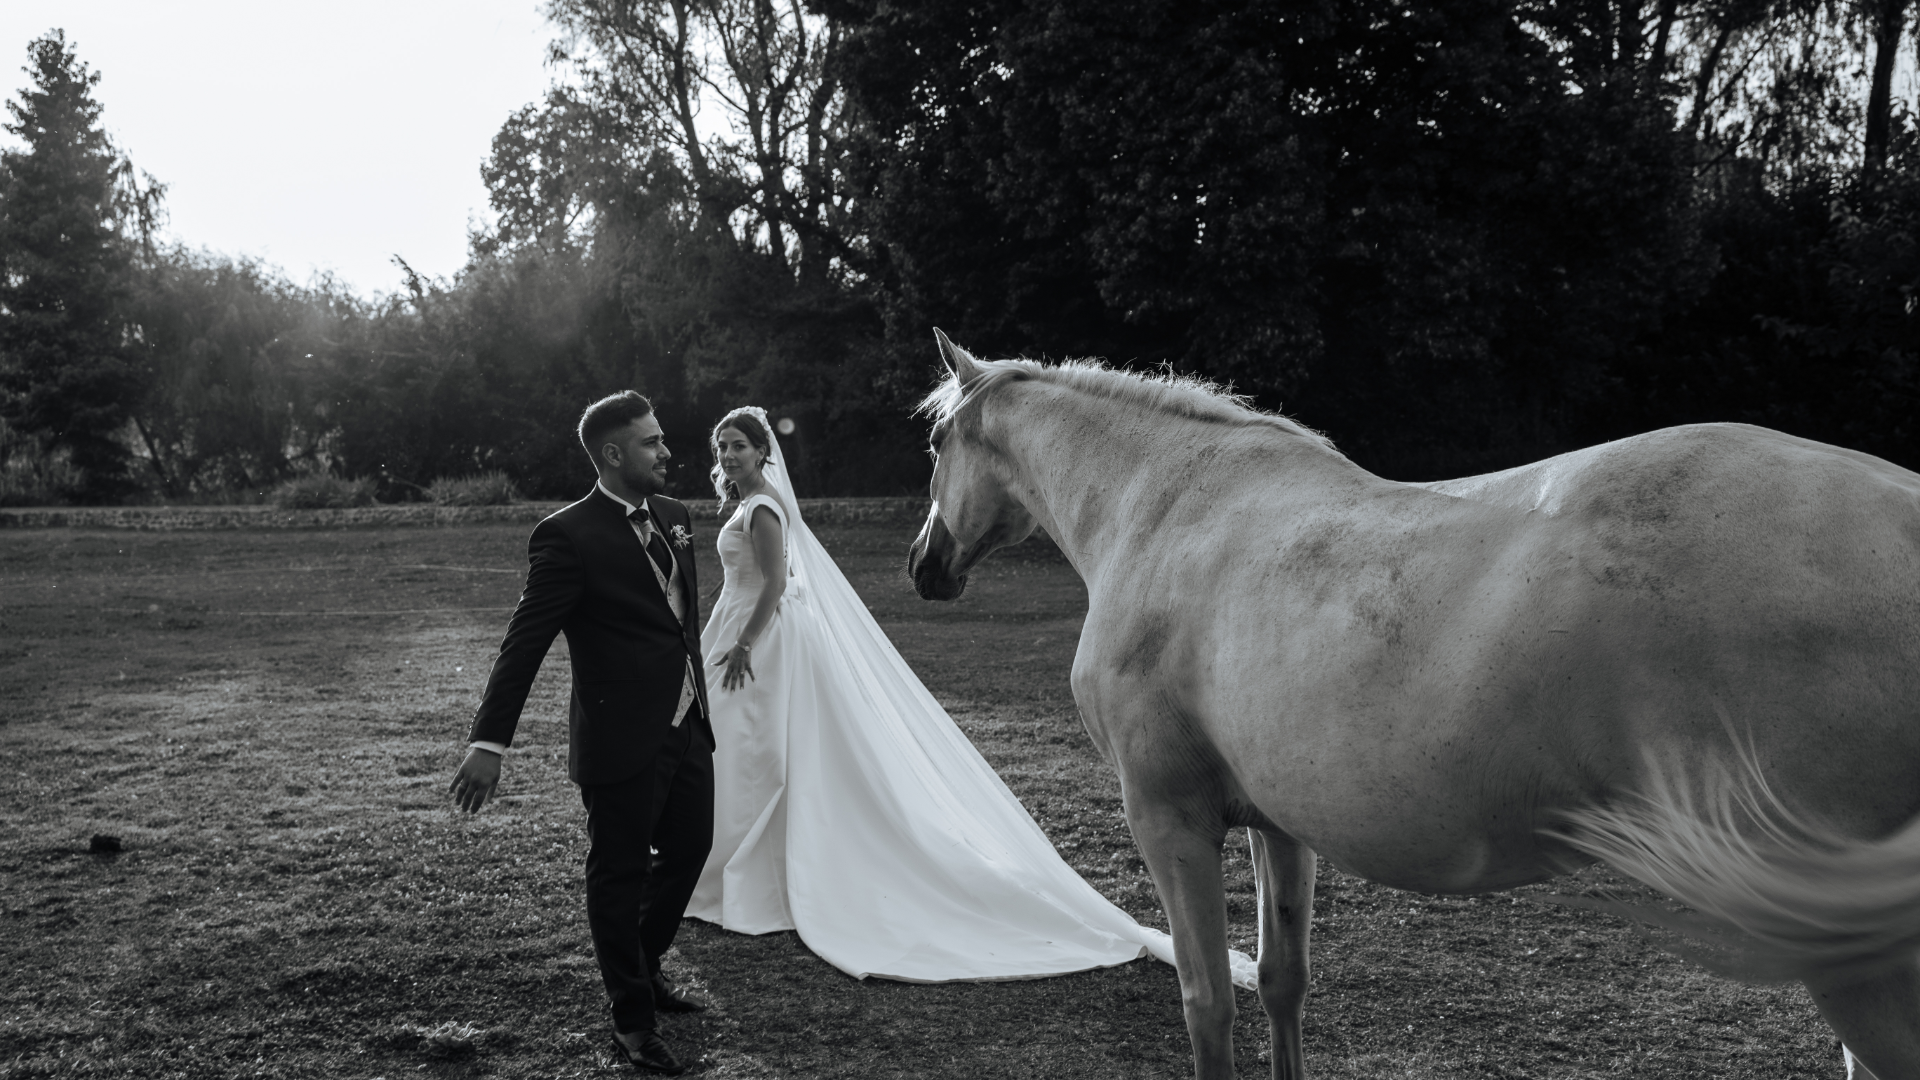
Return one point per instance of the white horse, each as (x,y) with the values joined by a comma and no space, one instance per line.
(1471,685)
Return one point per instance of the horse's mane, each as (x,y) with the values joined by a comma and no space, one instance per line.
(1183,395)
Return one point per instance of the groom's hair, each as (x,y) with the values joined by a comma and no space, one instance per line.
(610,413)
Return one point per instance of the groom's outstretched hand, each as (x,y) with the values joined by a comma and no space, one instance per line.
(475,781)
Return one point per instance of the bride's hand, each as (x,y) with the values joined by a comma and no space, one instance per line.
(739,661)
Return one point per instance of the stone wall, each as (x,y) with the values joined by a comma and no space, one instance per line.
(882,511)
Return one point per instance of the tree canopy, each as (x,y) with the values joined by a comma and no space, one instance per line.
(1455,234)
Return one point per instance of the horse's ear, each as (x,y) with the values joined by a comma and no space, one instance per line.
(958,360)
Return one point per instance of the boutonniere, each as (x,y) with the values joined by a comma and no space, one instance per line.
(682,536)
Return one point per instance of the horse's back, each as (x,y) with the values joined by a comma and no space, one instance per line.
(1711,514)
(1649,477)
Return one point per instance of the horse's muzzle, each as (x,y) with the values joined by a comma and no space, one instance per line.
(931,584)
(929,563)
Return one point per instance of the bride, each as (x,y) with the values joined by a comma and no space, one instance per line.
(847,804)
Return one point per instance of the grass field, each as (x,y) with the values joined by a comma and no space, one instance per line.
(268,722)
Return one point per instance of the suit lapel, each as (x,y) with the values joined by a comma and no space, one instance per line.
(643,567)
(682,557)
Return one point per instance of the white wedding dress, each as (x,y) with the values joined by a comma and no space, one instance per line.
(850,807)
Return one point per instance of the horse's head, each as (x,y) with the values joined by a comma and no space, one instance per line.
(973,512)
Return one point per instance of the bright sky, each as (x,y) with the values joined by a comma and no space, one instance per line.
(314,136)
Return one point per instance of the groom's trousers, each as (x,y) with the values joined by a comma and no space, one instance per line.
(647,841)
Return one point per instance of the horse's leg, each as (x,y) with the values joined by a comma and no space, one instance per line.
(1878,1019)
(1283,873)
(1181,845)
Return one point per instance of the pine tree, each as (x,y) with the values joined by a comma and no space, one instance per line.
(67,372)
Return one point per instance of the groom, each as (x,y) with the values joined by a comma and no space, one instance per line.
(615,573)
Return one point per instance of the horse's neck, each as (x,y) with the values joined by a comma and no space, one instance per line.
(1100,499)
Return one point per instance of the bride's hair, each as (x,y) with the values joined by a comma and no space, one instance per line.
(746,423)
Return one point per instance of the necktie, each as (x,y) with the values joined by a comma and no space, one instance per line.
(656,547)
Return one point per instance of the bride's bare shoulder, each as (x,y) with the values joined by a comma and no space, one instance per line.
(762,508)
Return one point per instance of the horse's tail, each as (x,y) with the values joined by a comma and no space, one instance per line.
(1774,896)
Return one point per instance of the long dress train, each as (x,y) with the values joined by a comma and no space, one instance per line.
(849,806)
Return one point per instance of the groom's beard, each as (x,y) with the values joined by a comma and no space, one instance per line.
(645,481)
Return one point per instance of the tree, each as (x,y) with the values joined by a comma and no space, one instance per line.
(67,373)
(770,166)
(682,213)
(228,347)
(1887,23)
(1415,220)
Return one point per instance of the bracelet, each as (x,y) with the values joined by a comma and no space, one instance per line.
(738,644)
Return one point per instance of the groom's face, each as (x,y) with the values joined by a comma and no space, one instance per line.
(641,461)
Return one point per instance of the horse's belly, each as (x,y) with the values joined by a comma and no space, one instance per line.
(1460,869)
(1418,824)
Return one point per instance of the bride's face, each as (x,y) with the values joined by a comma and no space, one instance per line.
(739,458)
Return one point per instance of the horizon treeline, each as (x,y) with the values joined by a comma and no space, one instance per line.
(1455,235)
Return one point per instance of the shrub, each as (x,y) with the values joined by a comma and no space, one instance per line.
(487,489)
(322,491)
(32,476)
(254,495)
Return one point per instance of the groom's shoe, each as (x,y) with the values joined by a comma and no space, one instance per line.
(670,998)
(647,1051)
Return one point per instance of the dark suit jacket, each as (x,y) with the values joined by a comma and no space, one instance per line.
(588,577)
